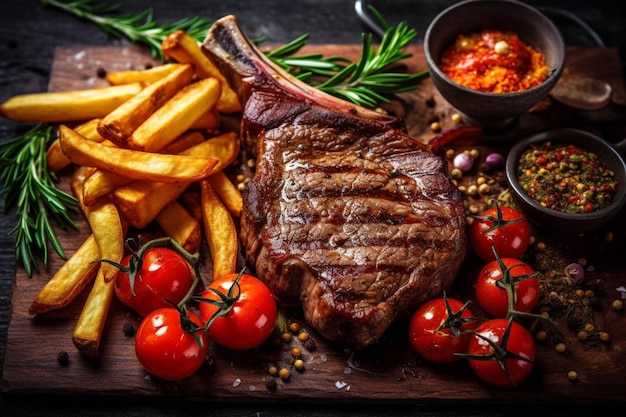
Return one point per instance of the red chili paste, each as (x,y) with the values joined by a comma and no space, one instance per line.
(493,61)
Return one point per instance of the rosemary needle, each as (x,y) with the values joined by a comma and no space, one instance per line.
(29,186)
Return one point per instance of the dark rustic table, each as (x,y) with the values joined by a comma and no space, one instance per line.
(29,34)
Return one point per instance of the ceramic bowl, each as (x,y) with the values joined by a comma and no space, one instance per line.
(493,110)
(568,223)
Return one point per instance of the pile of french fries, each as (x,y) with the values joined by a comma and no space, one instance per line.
(137,146)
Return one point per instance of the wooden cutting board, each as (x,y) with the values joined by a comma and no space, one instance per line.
(388,370)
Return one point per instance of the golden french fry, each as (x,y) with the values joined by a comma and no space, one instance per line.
(69,280)
(148,76)
(146,166)
(67,106)
(141,201)
(183,142)
(178,224)
(220,232)
(208,121)
(175,116)
(106,226)
(101,183)
(122,122)
(182,47)
(88,330)
(227,192)
(56,158)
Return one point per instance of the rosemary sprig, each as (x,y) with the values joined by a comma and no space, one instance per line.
(367,81)
(138,27)
(29,186)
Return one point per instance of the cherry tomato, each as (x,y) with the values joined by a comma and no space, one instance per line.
(248,307)
(167,349)
(503,227)
(165,275)
(501,278)
(440,328)
(509,350)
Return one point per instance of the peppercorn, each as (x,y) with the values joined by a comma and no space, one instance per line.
(310,345)
(541,335)
(128,329)
(296,352)
(63,358)
(270,383)
(299,364)
(283,373)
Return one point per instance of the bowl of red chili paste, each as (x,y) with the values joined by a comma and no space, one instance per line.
(493,60)
(567,180)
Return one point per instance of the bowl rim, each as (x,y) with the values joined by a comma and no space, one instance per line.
(553,76)
(565,135)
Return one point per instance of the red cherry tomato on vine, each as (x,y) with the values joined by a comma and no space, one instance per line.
(165,275)
(250,311)
(511,357)
(494,279)
(503,227)
(166,349)
(440,328)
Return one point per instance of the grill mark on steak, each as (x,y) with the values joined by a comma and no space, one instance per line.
(346,215)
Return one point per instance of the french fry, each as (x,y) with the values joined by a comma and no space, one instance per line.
(175,116)
(106,226)
(208,121)
(101,183)
(69,280)
(122,122)
(220,232)
(148,76)
(178,224)
(183,142)
(55,157)
(141,201)
(182,47)
(227,192)
(67,106)
(90,326)
(146,166)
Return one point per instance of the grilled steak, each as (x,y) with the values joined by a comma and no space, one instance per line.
(346,214)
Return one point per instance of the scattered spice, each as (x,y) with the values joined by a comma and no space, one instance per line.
(128,329)
(494,61)
(566,178)
(270,383)
(63,358)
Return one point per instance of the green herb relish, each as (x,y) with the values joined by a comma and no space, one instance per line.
(566,178)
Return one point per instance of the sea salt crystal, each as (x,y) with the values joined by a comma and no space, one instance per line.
(341,384)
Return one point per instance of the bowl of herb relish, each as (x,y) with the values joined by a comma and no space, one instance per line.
(567,180)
